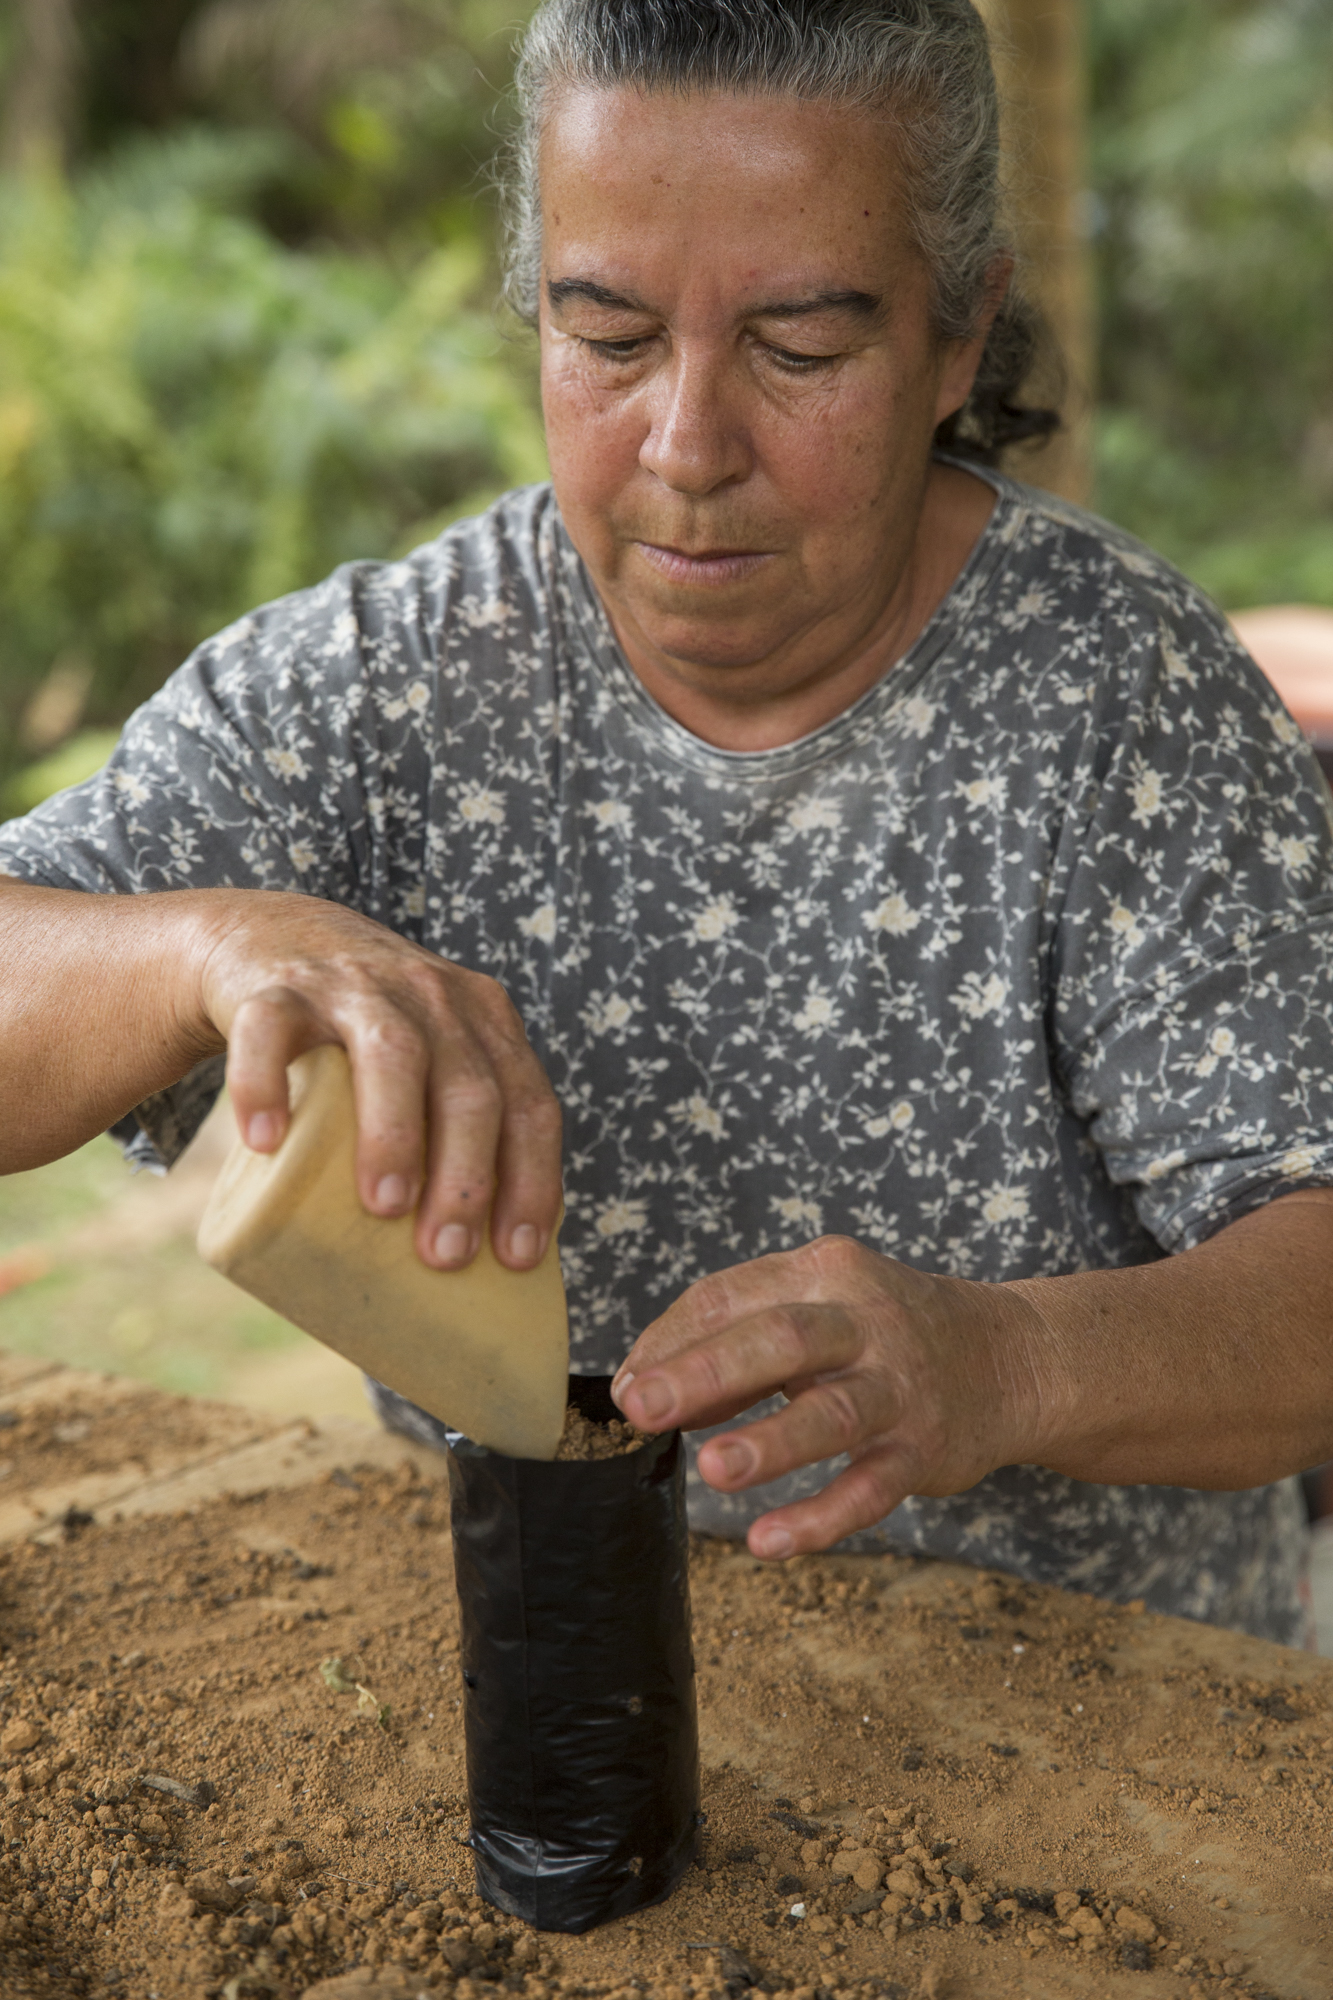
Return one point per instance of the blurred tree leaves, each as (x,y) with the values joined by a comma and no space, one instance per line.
(395,104)
(388,107)
(1213,218)
(245,327)
(194,418)
(246,346)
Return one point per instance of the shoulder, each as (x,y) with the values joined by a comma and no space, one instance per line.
(320,710)
(374,647)
(1090,561)
(490,572)
(1134,627)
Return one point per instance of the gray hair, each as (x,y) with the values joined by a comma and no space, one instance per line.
(929,59)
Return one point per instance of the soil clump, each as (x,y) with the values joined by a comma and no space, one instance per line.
(584,1438)
(231,1769)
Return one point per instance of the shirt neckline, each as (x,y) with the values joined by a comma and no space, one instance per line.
(833,738)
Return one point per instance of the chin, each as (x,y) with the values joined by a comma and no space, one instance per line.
(703,649)
(711,627)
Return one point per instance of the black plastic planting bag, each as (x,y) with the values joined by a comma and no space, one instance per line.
(578,1675)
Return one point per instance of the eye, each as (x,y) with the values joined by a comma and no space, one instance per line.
(800,364)
(615,350)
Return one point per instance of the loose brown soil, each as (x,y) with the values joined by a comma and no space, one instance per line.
(585,1439)
(920,1781)
(47,1446)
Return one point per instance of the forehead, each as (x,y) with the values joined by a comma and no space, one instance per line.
(719,164)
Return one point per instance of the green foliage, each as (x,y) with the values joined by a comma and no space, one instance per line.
(1213,170)
(388,109)
(194,418)
(77,758)
(249,334)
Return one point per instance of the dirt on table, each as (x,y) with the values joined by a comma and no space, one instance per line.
(584,1438)
(231,1753)
(47,1444)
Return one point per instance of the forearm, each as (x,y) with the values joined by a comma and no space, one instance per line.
(105,999)
(1211,1369)
(100,1005)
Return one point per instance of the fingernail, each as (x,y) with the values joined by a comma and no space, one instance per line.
(525,1245)
(392,1193)
(454,1245)
(655,1401)
(737,1459)
(261,1131)
(773,1543)
(619,1385)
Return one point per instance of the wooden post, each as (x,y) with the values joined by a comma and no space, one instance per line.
(1042,70)
(41,91)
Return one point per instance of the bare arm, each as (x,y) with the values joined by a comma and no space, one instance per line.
(105,999)
(1211,1369)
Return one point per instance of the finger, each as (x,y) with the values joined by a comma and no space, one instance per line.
(390,1065)
(719,1377)
(869,1489)
(526,1206)
(268,1030)
(822,1422)
(709,1305)
(706,1307)
(527,1200)
(467,1108)
(830,1268)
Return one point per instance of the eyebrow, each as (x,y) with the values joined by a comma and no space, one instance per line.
(561,290)
(866,305)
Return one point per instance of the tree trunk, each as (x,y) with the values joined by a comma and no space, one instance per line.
(1042,70)
(41,97)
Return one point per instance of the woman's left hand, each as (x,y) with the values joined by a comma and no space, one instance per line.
(926,1383)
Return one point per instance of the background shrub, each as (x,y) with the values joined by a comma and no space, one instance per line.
(247,265)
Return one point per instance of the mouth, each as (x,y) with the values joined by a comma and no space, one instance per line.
(704,566)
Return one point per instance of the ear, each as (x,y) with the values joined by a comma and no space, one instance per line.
(962,358)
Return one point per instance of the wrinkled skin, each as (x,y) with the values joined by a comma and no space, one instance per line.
(1208,1369)
(742,380)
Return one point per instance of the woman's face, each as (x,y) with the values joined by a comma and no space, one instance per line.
(740,374)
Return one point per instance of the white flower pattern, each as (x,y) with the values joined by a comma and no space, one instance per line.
(944,976)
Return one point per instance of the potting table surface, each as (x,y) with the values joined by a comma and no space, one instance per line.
(231,1744)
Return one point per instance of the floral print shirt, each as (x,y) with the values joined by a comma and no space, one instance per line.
(1022,965)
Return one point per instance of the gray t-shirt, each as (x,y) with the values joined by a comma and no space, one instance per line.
(1022,965)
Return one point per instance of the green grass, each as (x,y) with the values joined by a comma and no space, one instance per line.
(157,1313)
(38,1206)
(162,1317)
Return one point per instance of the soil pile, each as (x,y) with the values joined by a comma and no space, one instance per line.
(231,1753)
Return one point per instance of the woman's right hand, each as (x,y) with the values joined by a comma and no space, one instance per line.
(454,1111)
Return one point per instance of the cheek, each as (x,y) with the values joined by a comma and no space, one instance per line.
(592,439)
(843,465)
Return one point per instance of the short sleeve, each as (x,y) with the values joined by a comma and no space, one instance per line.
(237,774)
(156,1132)
(1194,950)
(278,757)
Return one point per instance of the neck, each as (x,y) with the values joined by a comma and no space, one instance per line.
(955,509)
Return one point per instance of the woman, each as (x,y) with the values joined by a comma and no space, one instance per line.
(915,900)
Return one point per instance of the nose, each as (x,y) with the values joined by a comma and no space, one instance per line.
(696,441)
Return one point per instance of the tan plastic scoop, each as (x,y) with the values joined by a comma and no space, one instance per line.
(485,1349)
